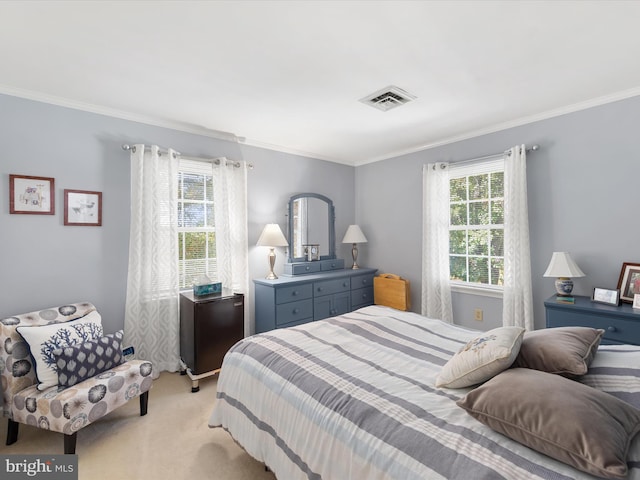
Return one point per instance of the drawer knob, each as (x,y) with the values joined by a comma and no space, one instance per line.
(295,310)
(364,295)
(307,268)
(294,293)
(319,289)
(612,329)
(345,284)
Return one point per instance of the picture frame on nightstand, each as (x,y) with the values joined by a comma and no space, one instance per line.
(606,296)
(629,281)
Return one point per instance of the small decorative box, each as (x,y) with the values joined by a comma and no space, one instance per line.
(207,289)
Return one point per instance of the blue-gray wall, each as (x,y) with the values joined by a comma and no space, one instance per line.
(44,264)
(582,188)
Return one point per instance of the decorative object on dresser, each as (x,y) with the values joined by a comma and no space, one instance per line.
(209,326)
(299,299)
(272,237)
(621,323)
(392,291)
(354,236)
(629,281)
(563,268)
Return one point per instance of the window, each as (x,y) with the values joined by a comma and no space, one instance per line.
(196,223)
(476,230)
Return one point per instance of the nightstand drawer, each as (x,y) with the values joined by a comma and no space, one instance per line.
(615,329)
(621,324)
(294,311)
(329,287)
(292,294)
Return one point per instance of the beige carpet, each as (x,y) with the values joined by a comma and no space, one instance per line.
(173,441)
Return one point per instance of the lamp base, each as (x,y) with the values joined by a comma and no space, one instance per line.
(354,255)
(564,286)
(272,262)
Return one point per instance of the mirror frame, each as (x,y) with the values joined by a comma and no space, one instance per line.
(331,218)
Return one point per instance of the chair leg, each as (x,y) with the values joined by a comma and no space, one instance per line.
(70,443)
(144,402)
(12,432)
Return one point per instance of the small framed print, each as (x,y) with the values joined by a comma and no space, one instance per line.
(83,208)
(636,301)
(629,281)
(32,195)
(604,295)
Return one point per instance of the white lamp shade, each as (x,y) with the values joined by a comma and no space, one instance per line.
(562,265)
(272,236)
(354,235)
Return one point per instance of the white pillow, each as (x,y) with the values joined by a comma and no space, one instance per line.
(44,339)
(482,358)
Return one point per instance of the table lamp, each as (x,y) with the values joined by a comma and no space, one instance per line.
(354,235)
(563,268)
(272,237)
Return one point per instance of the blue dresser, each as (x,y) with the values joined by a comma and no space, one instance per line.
(621,324)
(293,300)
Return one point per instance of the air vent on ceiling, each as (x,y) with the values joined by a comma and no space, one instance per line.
(388,98)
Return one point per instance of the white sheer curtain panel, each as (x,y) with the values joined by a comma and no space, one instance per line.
(517,301)
(152,323)
(230,208)
(436,289)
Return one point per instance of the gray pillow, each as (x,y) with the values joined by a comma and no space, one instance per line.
(76,363)
(566,420)
(566,351)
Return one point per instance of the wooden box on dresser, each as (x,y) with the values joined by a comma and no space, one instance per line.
(621,324)
(293,300)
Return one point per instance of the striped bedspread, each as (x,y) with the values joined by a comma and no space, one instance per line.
(353,397)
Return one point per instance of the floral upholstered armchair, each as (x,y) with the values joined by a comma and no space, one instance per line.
(59,372)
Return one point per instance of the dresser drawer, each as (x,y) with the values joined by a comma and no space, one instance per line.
(616,330)
(301,268)
(335,264)
(361,297)
(291,294)
(361,281)
(294,311)
(328,287)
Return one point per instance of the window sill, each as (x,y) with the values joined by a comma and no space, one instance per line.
(477,289)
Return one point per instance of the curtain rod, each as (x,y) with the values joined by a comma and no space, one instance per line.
(533,148)
(215,161)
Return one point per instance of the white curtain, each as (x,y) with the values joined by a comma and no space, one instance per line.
(152,324)
(230,208)
(436,289)
(517,302)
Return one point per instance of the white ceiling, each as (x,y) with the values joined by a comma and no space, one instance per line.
(288,75)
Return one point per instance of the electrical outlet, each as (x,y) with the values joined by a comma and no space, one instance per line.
(477,314)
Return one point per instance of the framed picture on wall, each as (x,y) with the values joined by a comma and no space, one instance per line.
(82,208)
(629,281)
(31,195)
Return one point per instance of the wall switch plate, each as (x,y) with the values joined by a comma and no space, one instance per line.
(477,314)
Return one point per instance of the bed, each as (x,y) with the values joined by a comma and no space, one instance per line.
(354,397)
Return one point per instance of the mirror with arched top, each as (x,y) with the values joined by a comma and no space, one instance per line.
(311,222)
